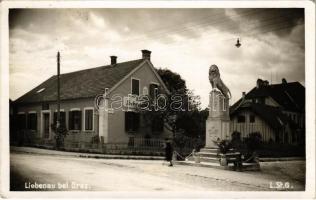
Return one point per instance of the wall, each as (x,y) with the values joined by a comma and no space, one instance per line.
(66,106)
(258,126)
(117,133)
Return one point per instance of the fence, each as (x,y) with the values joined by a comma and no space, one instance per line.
(135,146)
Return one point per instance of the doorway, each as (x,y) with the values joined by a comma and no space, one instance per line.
(46,125)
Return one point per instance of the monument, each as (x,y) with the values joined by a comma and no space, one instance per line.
(217,123)
(217,130)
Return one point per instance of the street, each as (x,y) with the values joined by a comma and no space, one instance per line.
(55,172)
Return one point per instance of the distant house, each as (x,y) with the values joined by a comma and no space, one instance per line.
(37,110)
(276,111)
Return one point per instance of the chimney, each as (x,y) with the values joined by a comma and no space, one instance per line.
(113,60)
(259,83)
(146,54)
(243,95)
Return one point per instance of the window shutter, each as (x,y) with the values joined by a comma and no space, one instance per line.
(88,119)
(135,86)
(79,119)
(63,118)
(55,118)
(70,121)
(136,121)
(153,92)
(127,126)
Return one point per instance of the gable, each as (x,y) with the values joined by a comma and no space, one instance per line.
(145,74)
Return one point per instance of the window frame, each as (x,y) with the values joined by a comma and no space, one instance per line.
(42,124)
(133,78)
(70,127)
(84,118)
(153,83)
(135,127)
(25,121)
(61,111)
(28,121)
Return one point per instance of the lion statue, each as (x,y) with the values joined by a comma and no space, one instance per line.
(216,81)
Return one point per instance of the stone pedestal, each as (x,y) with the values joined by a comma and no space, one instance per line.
(217,123)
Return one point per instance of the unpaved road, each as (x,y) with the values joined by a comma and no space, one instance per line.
(71,173)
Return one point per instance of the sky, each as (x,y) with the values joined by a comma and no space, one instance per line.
(187,41)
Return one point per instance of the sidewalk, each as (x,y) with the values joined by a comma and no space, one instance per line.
(33,150)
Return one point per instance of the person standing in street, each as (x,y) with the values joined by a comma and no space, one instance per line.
(169,152)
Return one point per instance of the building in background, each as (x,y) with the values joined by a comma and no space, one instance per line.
(36,111)
(276,111)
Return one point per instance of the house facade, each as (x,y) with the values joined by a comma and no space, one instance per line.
(276,111)
(95,104)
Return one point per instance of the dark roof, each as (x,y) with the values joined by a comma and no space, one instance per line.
(270,114)
(80,84)
(291,96)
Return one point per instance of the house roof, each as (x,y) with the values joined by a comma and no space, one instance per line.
(291,96)
(270,114)
(80,84)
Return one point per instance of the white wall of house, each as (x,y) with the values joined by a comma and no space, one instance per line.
(67,105)
(249,127)
(117,119)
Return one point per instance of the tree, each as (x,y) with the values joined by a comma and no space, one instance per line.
(60,133)
(187,121)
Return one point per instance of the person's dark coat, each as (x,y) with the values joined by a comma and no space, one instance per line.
(169,151)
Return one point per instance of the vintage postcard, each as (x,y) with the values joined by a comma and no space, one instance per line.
(167,99)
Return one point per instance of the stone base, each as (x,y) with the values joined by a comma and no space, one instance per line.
(210,157)
(216,129)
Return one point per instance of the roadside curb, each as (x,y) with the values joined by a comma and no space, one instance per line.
(31,150)
(281,159)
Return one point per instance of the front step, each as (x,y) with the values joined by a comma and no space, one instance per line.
(207,154)
(209,160)
(209,150)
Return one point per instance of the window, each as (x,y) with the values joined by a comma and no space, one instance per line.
(75,120)
(46,124)
(131,121)
(32,121)
(88,113)
(62,118)
(252,118)
(135,86)
(157,124)
(241,119)
(22,121)
(153,90)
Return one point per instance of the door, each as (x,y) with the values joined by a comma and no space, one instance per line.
(46,125)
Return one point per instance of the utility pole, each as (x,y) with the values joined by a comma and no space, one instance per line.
(58,91)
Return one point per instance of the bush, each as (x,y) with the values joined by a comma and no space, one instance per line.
(223,145)
(253,141)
